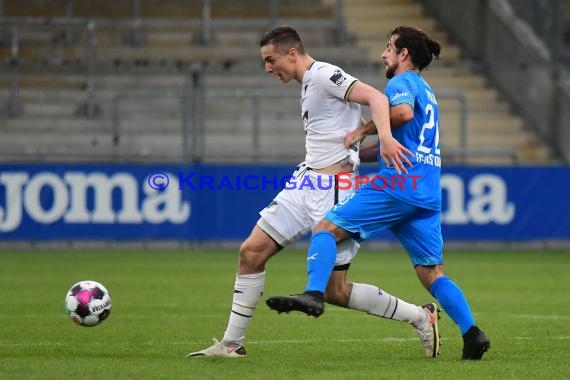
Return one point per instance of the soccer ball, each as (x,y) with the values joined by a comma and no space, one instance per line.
(88,303)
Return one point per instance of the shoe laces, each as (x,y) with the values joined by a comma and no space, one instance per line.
(423,330)
(225,344)
(425,337)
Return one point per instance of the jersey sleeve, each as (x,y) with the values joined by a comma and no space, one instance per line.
(400,91)
(334,81)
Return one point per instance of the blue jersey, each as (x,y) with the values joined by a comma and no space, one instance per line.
(421,186)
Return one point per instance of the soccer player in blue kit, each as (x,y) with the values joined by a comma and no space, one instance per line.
(408,205)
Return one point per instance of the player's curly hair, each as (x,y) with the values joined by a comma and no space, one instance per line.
(284,38)
(420,46)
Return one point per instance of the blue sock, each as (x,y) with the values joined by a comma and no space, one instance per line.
(320,260)
(453,301)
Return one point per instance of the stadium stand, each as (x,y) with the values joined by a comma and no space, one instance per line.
(493,133)
(113,82)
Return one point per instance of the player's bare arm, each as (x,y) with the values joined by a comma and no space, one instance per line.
(400,114)
(393,153)
(365,129)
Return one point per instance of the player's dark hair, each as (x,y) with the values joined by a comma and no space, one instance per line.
(420,46)
(284,38)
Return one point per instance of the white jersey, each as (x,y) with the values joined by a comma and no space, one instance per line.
(327,115)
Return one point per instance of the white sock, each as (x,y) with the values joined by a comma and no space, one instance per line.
(248,289)
(377,302)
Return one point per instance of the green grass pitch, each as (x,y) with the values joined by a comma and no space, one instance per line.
(166,304)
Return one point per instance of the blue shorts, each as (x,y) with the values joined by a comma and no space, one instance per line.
(369,211)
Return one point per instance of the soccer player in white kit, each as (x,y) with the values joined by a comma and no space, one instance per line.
(330,108)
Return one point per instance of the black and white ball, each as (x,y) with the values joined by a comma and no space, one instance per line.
(88,303)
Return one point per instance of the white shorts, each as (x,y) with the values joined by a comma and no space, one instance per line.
(304,201)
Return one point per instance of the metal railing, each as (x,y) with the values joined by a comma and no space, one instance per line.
(463,156)
(13,26)
(13,108)
(255,112)
(529,57)
(464,152)
(194,124)
(68,25)
(192,121)
(463,110)
(192,104)
(550,20)
(186,129)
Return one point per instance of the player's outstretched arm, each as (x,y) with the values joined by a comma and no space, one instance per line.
(392,152)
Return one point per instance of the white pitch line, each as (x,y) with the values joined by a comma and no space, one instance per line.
(309,341)
(541,317)
(261,342)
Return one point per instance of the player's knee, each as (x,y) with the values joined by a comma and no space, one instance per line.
(252,257)
(428,274)
(326,225)
(249,257)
